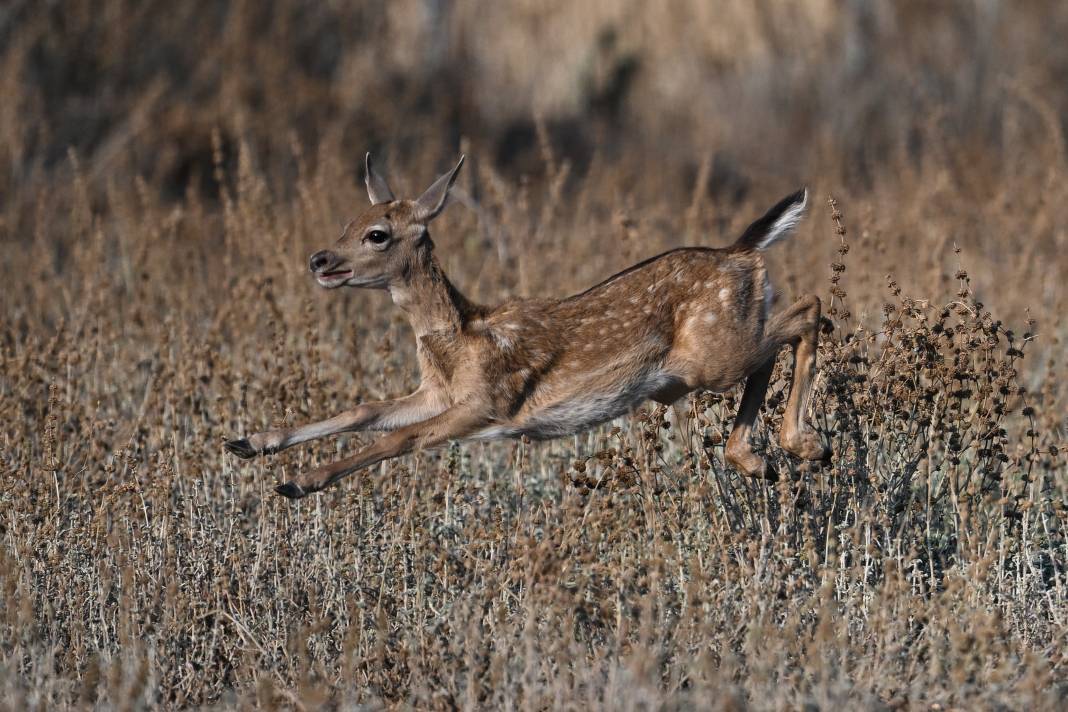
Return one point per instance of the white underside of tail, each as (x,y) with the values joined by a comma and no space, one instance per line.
(785,224)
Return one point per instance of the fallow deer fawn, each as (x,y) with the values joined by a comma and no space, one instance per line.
(690,318)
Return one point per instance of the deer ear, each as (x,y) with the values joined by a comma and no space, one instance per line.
(433,201)
(377,188)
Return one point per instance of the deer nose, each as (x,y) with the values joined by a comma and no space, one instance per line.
(321,261)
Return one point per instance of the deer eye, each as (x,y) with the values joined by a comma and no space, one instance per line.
(378,238)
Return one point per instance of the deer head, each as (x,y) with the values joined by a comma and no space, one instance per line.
(384,244)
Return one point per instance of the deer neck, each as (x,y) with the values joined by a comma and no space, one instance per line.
(429,299)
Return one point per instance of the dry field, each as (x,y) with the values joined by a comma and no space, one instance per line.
(166,169)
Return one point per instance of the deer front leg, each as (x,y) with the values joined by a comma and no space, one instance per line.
(453,424)
(376,415)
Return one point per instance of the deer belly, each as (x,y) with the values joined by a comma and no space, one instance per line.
(583,409)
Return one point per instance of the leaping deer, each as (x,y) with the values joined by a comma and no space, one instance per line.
(694,317)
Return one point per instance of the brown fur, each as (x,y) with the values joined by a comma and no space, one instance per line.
(688,319)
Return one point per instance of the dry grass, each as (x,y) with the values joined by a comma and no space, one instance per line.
(164,173)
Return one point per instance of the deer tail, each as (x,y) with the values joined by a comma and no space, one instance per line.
(776,224)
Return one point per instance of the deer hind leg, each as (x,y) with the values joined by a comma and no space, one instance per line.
(799,326)
(739,453)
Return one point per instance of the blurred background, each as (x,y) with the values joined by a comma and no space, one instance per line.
(771,88)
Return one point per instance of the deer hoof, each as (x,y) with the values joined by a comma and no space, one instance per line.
(290,490)
(242,448)
(750,464)
(806,445)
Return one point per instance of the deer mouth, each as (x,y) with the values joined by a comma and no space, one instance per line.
(334,278)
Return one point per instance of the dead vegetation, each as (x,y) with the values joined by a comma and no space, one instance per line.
(166,170)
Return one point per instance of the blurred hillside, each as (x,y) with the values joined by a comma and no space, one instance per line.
(772,87)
